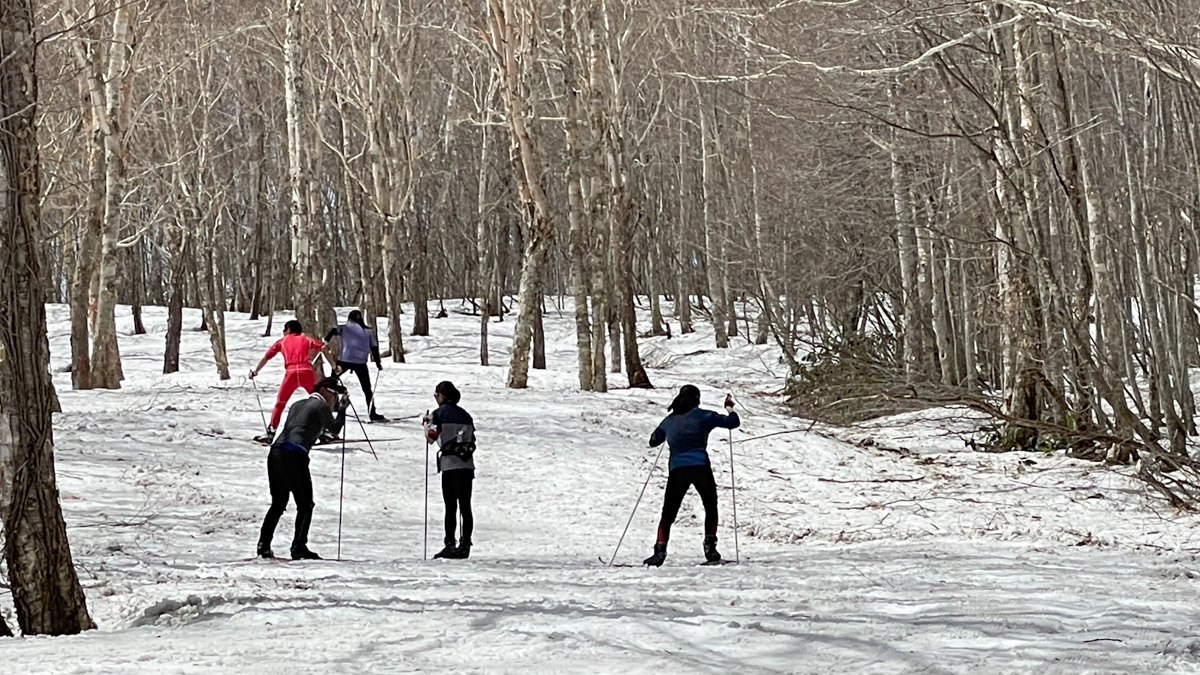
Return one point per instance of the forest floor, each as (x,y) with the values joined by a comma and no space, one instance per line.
(885,548)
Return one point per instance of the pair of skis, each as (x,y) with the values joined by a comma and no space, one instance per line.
(283,559)
(706,563)
(335,441)
(393,420)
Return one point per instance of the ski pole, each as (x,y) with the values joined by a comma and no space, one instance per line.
(374,391)
(260,406)
(364,430)
(341,496)
(635,505)
(425,551)
(737,556)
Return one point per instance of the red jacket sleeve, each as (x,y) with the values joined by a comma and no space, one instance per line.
(315,343)
(274,349)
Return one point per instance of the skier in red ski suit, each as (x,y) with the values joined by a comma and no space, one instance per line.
(297,349)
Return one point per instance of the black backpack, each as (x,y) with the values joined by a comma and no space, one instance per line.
(462,449)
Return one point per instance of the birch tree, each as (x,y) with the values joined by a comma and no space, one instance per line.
(505,26)
(45,588)
(115,127)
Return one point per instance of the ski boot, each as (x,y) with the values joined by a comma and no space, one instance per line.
(266,438)
(462,552)
(376,417)
(304,554)
(448,551)
(710,549)
(264,550)
(660,555)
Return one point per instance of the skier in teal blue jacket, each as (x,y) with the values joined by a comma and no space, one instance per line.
(686,431)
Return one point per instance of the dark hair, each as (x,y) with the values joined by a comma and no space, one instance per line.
(293,327)
(332,384)
(448,391)
(687,399)
(356,317)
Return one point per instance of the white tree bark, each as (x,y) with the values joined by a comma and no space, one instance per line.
(503,24)
(570,66)
(118,82)
(304,273)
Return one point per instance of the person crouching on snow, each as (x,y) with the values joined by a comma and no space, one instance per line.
(686,431)
(453,430)
(297,349)
(287,463)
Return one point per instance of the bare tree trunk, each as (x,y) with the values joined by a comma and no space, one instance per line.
(260,265)
(484,240)
(106,357)
(600,301)
(683,298)
(87,57)
(304,281)
(388,196)
(274,289)
(540,234)
(600,255)
(614,340)
(136,259)
(45,588)
(761,267)
(81,278)
(971,376)
(575,208)
(539,340)
(657,327)
(419,281)
(175,306)
(214,306)
(712,237)
(906,245)
(1018,294)
(621,208)
(939,305)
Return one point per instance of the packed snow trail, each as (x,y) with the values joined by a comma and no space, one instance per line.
(882,549)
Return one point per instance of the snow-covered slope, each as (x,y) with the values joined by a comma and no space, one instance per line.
(883,549)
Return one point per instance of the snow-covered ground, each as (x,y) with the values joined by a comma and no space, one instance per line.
(887,548)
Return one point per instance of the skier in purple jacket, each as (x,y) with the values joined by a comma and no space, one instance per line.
(358,342)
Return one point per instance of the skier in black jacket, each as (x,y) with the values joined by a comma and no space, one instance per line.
(453,430)
(287,463)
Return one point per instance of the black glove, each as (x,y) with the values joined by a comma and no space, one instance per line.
(343,403)
(729,402)
(379,365)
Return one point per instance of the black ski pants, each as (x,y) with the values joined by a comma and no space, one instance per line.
(287,471)
(456,492)
(364,379)
(678,482)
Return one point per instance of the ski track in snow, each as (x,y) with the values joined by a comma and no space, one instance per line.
(886,548)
